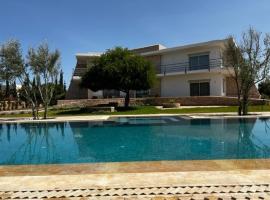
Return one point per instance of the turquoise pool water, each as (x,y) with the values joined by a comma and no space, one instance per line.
(134,139)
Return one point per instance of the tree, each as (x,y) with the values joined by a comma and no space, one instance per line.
(264,88)
(29,91)
(247,63)
(45,67)
(119,69)
(60,90)
(37,76)
(61,80)
(65,88)
(10,62)
(13,66)
(13,90)
(1,93)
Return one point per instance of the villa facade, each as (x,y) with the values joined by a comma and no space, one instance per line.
(182,71)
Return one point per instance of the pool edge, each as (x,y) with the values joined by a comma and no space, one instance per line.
(134,167)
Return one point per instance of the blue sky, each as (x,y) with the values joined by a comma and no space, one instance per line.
(95,25)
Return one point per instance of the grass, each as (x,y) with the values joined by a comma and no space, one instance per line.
(143,110)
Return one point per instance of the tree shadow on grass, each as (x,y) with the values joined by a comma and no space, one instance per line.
(77,111)
(122,109)
(85,111)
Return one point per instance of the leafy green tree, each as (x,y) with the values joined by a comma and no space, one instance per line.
(10,62)
(13,90)
(45,67)
(121,70)
(264,88)
(29,92)
(248,63)
(65,87)
(60,90)
(1,93)
(61,80)
(37,76)
(12,66)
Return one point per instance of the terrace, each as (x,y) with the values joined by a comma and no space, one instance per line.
(187,66)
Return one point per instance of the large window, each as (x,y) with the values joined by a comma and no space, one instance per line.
(198,62)
(200,88)
(142,93)
(224,86)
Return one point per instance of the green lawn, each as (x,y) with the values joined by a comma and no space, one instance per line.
(144,110)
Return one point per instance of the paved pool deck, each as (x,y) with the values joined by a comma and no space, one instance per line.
(219,179)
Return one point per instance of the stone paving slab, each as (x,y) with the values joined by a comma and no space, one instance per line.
(134,167)
(155,179)
(224,179)
(203,185)
(204,192)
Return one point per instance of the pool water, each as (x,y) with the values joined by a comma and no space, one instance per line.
(134,139)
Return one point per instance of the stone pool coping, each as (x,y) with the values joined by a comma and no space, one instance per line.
(134,167)
(106,117)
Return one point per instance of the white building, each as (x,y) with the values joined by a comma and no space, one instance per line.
(190,70)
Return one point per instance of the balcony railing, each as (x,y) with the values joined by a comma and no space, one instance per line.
(186,67)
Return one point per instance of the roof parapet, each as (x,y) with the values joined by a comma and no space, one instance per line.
(159,49)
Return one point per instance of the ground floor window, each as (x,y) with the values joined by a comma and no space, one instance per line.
(200,88)
(142,93)
(111,93)
(224,86)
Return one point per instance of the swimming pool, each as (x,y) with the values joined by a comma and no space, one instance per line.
(134,139)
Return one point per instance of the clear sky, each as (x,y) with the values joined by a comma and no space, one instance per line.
(75,26)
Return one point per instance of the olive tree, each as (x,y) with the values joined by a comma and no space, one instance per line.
(44,65)
(248,63)
(121,70)
(37,73)
(13,67)
(10,62)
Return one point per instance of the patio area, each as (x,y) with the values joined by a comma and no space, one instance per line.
(224,179)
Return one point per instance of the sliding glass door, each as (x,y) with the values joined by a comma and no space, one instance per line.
(198,62)
(200,89)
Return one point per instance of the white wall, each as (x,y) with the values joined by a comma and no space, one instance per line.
(183,55)
(179,85)
(98,94)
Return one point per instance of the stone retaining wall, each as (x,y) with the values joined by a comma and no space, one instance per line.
(12,105)
(184,101)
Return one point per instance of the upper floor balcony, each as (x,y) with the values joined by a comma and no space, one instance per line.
(191,66)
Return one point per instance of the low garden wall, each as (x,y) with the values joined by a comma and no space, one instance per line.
(156,101)
(11,105)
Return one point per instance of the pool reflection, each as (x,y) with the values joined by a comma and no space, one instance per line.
(78,142)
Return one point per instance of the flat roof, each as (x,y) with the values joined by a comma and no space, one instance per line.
(89,54)
(160,46)
(163,49)
(208,43)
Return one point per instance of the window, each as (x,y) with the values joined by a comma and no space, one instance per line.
(111,93)
(199,62)
(194,89)
(200,88)
(142,93)
(224,86)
